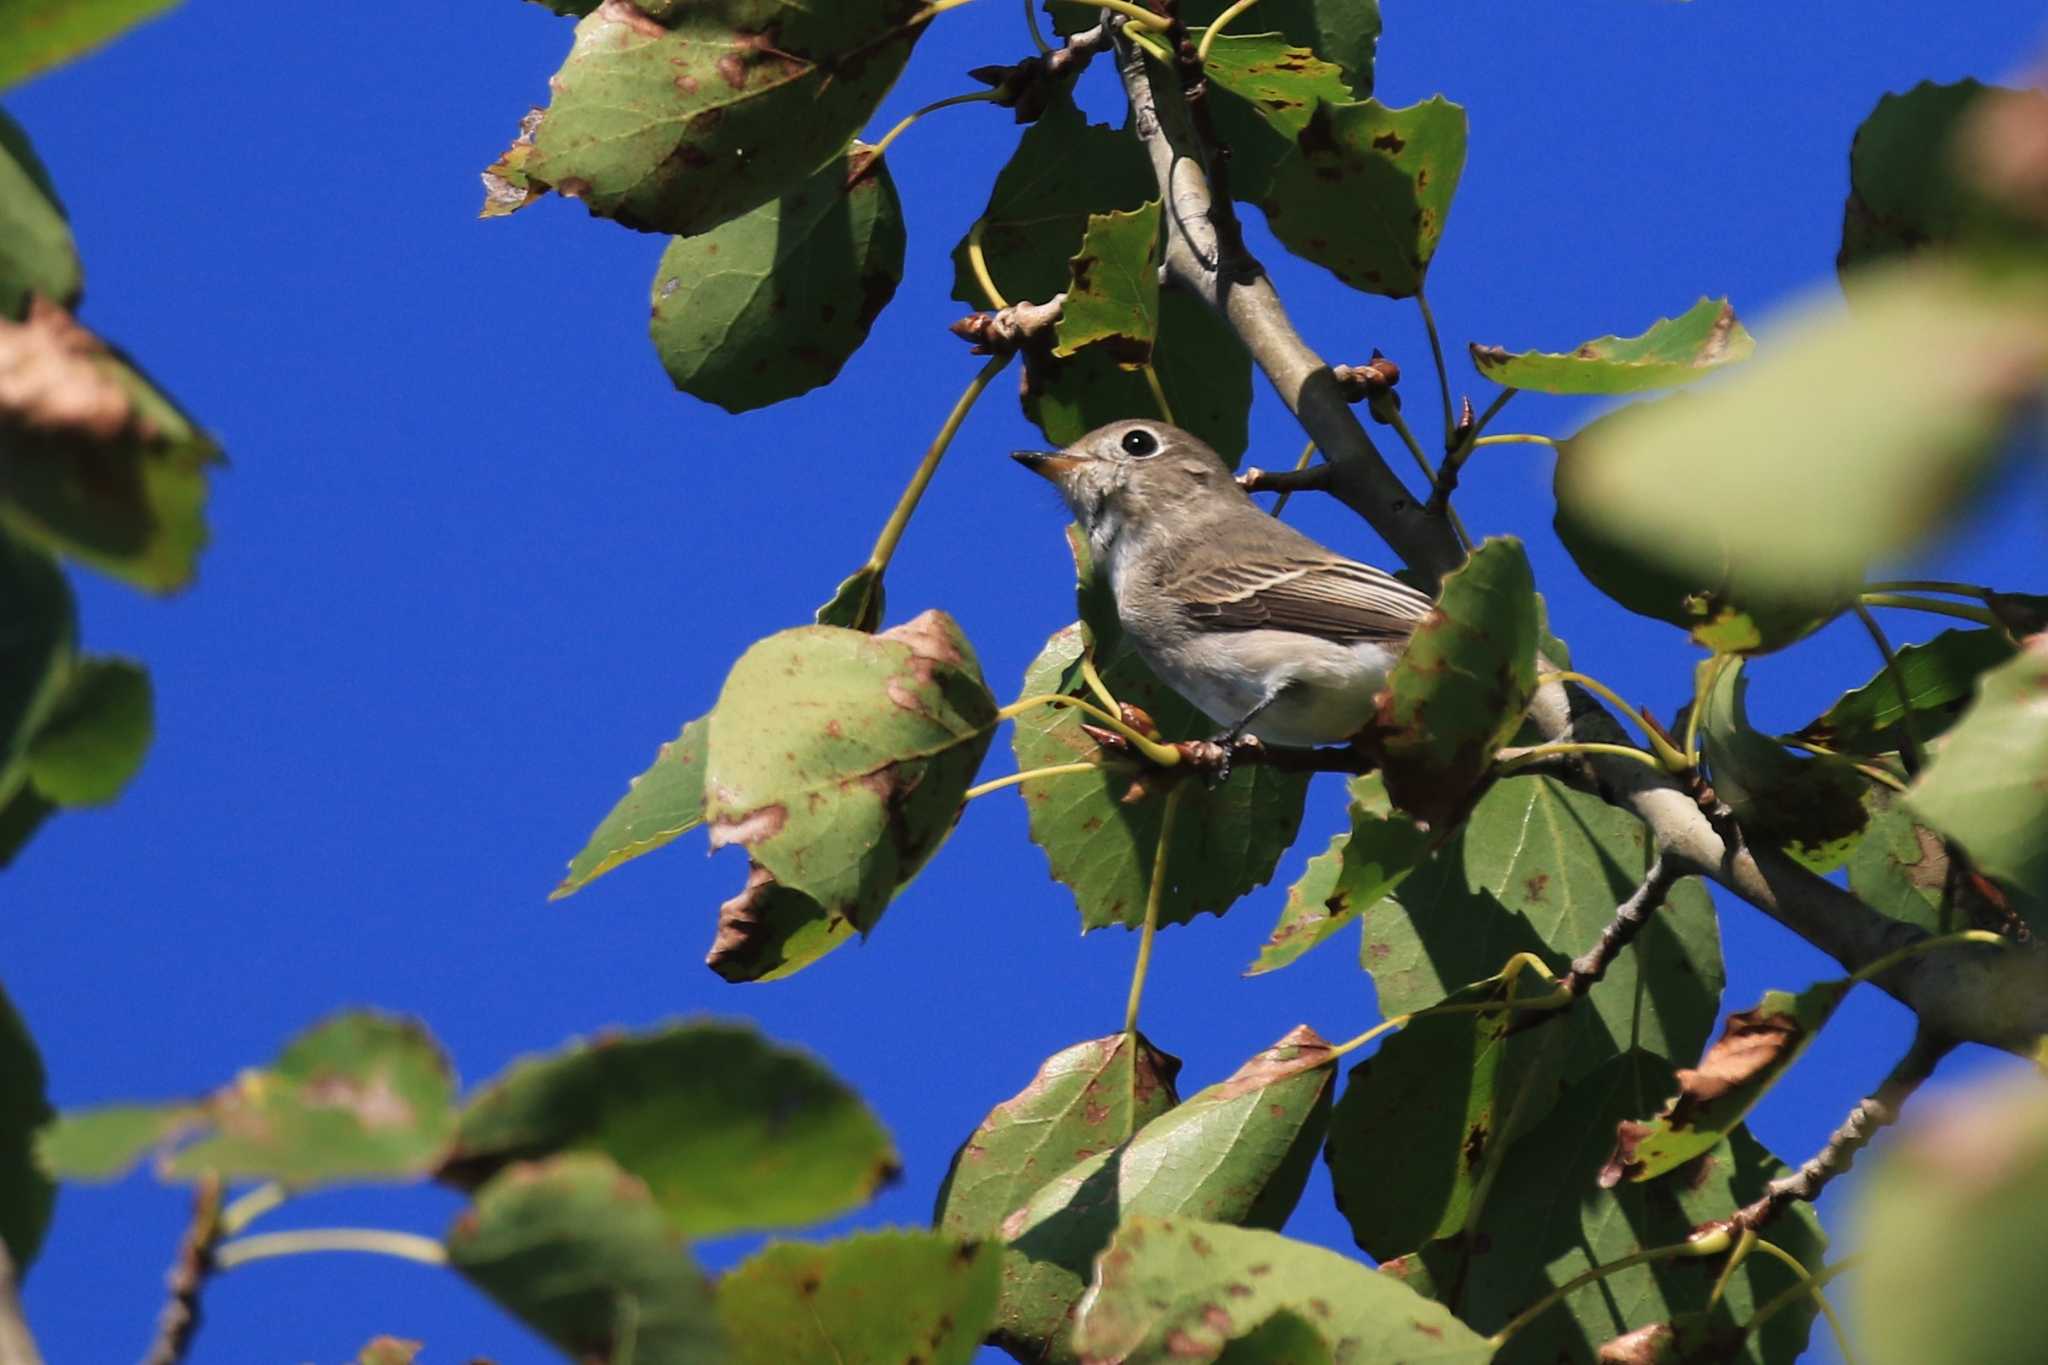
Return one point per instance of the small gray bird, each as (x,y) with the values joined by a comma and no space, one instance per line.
(1269,633)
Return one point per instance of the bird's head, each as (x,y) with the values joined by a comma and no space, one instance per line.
(1131,470)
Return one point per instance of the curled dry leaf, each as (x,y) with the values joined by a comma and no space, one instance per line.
(52,382)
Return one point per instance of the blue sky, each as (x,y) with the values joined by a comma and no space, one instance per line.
(474,560)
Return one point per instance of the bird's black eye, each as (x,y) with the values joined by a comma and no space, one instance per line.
(1140,442)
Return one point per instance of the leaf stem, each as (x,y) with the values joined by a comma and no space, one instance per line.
(1308,452)
(1810,1284)
(1158,393)
(1745,1243)
(1506,976)
(1385,1026)
(1926,945)
(1703,683)
(409,1246)
(892,530)
(1217,25)
(1164,755)
(1141,39)
(1136,14)
(1031,22)
(977,261)
(249,1207)
(1436,353)
(1097,685)
(1400,426)
(971,97)
(1820,1300)
(1517,438)
(1943,585)
(1711,1245)
(998,783)
(1673,760)
(1869,769)
(1981,615)
(1910,753)
(1512,759)
(1154,895)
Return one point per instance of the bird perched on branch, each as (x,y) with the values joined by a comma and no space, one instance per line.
(1269,633)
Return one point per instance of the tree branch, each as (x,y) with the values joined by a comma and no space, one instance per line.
(179,1320)
(1876,1111)
(1360,477)
(17,1345)
(1987,995)
(1629,918)
(1305,479)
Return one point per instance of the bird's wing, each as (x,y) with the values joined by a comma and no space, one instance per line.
(1338,599)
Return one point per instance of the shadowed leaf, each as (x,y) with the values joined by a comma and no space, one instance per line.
(574,1248)
(768,931)
(665,801)
(838,759)
(94,737)
(1756,1047)
(1459,689)
(771,304)
(878,1298)
(1113,288)
(1939,675)
(38,649)
(359,1097)
(1365,190)
(1985,788)
(1084,1100)
(37,255)
(728,1131)
(1672,352)
(857,603)
(675,117)
(1238,1152)
(1262,90)
(26,1195)
(40,34)
(1181,1289)
(1360,867)
(1810,807)
(1427,1118)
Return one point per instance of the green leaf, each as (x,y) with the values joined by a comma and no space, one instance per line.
(40,34)
(1901,869)
(879,1298)
(1428,1118)
(37,255)
(1084,1100)
(1262,90)
(729,1131)
(37,650)
(94,738)
(1674,351)
(1756,1047)
(675,118)
(1113,289)
(665,801)
(772,303)
(1365,190)
(1546,1220)
(1810,463)
(1459,689)
(768,931)
(1911,186)
(1238,1152)
(1812,808)
(1984,789)
(1342,31)
(1729,605)
(95,462)
(1939,676)
(1181,1289)
(1066,170)
(1538,867)
(1957,1249)
(1360,867)
(1100,830)
(20,817)
(839,759)
(27,1197)
(574,1248)
(857,603)
(361,1096)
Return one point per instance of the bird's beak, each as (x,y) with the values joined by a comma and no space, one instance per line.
(1047,464)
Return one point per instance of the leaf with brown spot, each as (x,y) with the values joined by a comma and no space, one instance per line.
(363,1096)
(388,1351)
(1262,89)
(1113,291)
(1756,1047)
(729,1131)
(839,759)
(1161,1287)
(876,1298)
(768,931)
(1674,351)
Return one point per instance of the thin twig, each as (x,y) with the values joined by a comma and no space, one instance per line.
(1436,353)
(1629,918)
(1300,479)
(17,1343)
(179,1320)
(1874,1112)
(1454,460)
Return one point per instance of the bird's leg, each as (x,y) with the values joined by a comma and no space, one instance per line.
(1229,738)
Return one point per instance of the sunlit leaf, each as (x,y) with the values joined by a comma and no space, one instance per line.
(772,303)
(1343,31)
(878,1298)
(37,255)
(1985,788)
(1185,1290)
(1939,675)
(1672,352)
(1361,865)
(728,1131)
(40,34)
(575,1248)
(1262,89)
(1113,290)
(665,801)
(675,117)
